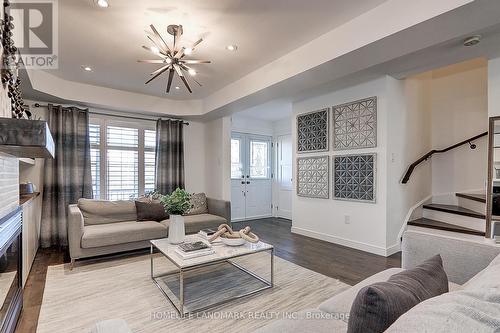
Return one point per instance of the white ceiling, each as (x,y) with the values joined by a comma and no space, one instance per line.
(270,111)
(110,40)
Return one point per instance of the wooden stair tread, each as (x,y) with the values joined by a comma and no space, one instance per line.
(473,196)
(433,224)
(454,210)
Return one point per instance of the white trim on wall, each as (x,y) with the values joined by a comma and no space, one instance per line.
(346,242)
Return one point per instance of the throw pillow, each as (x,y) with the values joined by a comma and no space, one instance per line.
(487,278)
(150,211)
(377,306)
(199,204)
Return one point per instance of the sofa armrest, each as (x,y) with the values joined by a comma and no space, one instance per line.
(462,258)
(75,230)
(220,208)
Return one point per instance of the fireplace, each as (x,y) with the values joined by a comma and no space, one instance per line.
(11,293)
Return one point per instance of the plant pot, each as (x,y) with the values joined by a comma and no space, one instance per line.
(176,231)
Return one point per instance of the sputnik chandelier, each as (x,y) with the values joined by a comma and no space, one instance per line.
(172,58)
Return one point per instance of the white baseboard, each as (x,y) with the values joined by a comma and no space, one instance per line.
(251,218)
(381,251)
(392,249)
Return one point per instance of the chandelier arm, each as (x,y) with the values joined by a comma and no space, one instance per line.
(186,68)
(180,53)
(162,51)
(156,61)
(196,43)
(159,70)
(195,61)
(157,34)
(170,77)
(181,75)
(158,74)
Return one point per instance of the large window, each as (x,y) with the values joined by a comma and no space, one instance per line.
(122,158)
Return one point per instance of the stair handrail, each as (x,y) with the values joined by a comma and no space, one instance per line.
(412,166)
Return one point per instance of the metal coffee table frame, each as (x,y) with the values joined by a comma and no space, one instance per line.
(182,270)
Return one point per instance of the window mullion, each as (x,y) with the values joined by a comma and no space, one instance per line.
(104,160)
(141,162)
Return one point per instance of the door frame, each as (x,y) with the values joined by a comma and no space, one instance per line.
(277,173)
(245,159)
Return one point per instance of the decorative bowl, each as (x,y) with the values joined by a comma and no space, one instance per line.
(233,241)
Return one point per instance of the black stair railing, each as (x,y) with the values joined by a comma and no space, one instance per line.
(412,166)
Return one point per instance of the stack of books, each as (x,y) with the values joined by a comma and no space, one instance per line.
(207,233)
(194,250)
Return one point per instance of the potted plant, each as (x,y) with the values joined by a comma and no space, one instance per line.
(176,205)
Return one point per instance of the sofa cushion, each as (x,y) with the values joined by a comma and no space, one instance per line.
(377,306)
(194,223)
(121,232)
(461,311)
(151,210)
(487,278)
(105,211)
(199,204)
(306,321)
(342,302)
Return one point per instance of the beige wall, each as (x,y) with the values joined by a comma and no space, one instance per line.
(218,158)
(326,218)
(459,109)
(409,137)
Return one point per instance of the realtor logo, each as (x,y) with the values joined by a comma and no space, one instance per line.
(35,32)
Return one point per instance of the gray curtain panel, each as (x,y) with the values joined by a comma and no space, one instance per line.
(169,155)
(67,177)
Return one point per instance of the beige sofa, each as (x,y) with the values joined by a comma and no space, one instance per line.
(472,305)
(99,227)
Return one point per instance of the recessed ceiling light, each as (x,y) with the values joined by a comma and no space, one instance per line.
(177,88)
(102,3)
(87,68)
(231,47)
(192,72)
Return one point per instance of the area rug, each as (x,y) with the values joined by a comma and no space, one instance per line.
(74,301)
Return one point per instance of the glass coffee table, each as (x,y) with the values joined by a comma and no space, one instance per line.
(198,284)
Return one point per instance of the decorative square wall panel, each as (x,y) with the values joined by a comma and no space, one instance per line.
(313,175)
(355,124)
(313,131)
(354,177)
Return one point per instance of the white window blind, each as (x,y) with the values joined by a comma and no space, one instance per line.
(122,164)
(95,159)
(149,160)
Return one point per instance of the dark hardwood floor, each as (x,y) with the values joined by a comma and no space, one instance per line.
(340,262)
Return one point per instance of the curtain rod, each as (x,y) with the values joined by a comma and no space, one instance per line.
(38,105)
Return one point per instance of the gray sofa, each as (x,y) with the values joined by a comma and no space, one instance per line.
(99,227)
(472,305)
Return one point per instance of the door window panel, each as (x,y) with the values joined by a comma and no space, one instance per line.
(236,163)
(259,159)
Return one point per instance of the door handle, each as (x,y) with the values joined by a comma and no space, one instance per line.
(248,182)
(243,182)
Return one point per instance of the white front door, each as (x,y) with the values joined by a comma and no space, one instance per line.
(284,177)
(251,184)
(238,181)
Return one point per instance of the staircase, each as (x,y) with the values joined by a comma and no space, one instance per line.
(467,217)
